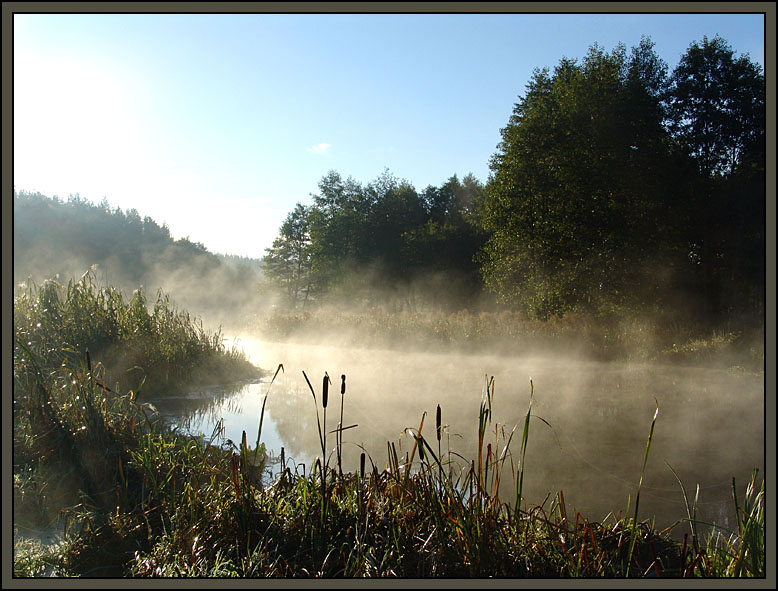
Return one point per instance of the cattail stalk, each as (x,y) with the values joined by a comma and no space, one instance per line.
(324,398)
(438,428)
(340,425)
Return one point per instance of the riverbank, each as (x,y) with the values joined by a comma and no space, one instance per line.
(136,499)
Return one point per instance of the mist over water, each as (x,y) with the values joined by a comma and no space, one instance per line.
(590,443)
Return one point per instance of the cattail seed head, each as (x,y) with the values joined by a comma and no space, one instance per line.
(362,465)
(343,384)
(325,387)
(437,422)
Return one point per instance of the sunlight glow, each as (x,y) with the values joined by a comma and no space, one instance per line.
(74,119)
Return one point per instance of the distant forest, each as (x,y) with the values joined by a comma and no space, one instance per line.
(619,187)
(66,238)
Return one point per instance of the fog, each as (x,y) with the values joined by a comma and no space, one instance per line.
(588,437)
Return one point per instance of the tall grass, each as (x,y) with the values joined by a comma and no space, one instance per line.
(82,440)
(134,341)
(197,509)
(634,526)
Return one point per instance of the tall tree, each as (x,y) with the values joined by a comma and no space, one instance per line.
(338,227)
(396,210)
(573,199)
(717,105)
(288,260)
(716,111)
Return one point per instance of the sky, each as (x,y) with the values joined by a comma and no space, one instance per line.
(218,124)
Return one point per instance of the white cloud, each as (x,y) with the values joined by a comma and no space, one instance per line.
(319,148)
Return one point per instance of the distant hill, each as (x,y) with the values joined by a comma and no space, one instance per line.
(65,238)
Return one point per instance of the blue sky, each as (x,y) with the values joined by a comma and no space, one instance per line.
(218,124)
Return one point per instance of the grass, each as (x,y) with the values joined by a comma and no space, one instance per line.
(134,499)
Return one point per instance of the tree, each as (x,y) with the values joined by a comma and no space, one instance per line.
(288,260)
(575,204)
(369,244)
(396,210)
(338,227)
(716,105)
(716,112)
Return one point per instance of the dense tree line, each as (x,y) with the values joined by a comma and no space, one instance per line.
(618,186)
(67,237)
(372,242)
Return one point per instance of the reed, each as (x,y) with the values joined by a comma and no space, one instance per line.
(634,525)
(523,452)
(262,411)
(749,556)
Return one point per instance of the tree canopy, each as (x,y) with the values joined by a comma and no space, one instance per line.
(600,195)
(367,241)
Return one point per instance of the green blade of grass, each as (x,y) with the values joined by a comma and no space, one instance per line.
(633,536)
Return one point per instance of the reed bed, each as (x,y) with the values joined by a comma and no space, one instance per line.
(140,344)
(134,499)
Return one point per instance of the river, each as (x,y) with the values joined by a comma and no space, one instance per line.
(587,437)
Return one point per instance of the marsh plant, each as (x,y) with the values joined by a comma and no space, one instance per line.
(139,343)
(187,507)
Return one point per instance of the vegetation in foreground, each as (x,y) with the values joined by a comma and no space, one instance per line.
(136,499)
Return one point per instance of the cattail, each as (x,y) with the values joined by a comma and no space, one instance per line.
(325,390)
(340,425)
(437,422)
(362,465)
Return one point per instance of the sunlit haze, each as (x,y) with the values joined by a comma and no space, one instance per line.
(217,124)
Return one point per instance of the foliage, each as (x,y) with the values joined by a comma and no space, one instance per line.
(360,242)
(716,105)
(716,113)
(288,260)
(575,206)
(607,192)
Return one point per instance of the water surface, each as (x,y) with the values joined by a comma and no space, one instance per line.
(590,443)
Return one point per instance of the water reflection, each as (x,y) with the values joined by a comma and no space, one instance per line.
(591,446)
(233,411)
